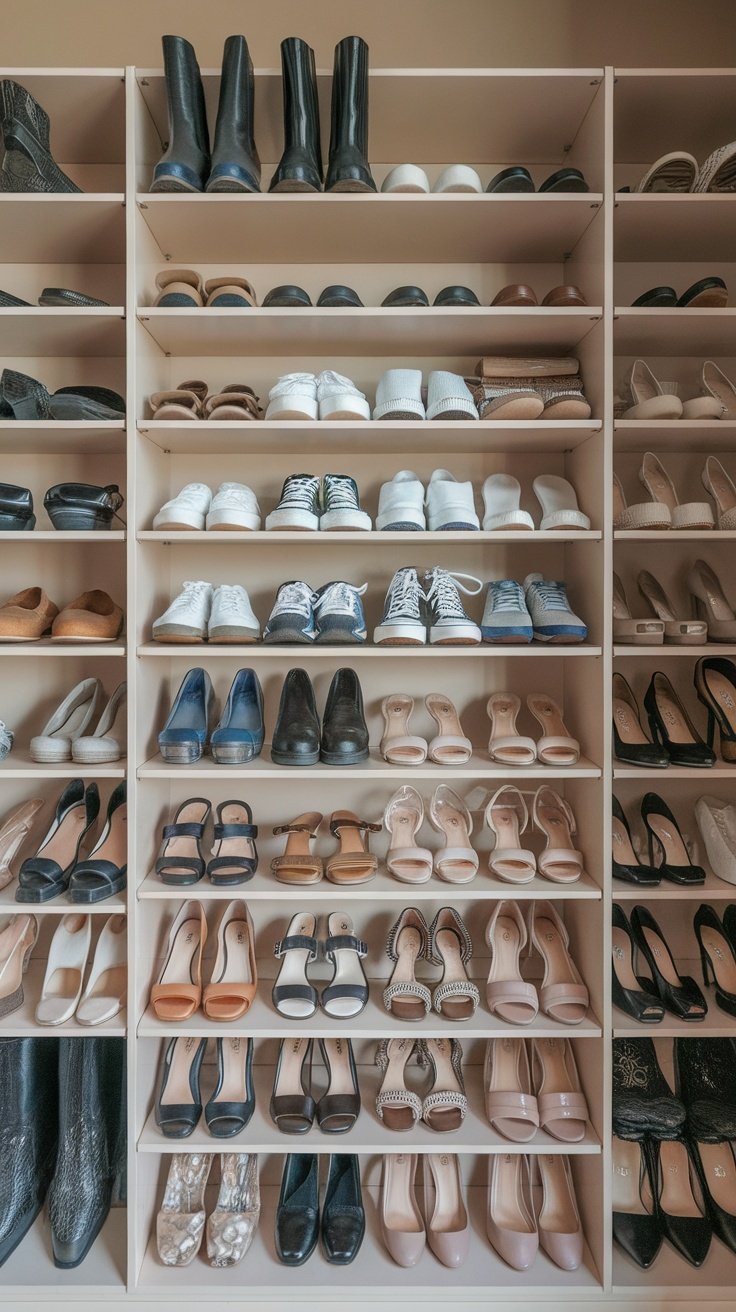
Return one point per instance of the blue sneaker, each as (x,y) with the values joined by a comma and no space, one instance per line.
(505,616)
(292,618)
(339,613)
(550,611)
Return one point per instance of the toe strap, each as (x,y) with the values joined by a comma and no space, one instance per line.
(514,747)
(515,992)
(562,1107)
(37,868)
(508,1105)
(455,988)
(554,996)
(549,746)
(407,989)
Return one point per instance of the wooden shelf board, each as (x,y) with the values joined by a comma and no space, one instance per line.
(45,647)
(373,539)
(63,229)
(325,651)
(61,536)
(667,892)
(101,1276)
(60,437)
(373,769)
(18,765)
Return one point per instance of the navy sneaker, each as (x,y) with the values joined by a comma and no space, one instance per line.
(292,618)
(339,613)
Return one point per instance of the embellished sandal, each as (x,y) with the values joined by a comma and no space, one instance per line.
(397,1106)
(297,865)
(353,863)
(398,746)
(347,992)
(405,996)
(236,401)
(450,946)
(449,746)
(292,994)
(445,1106)
(183,402)
(181,860)
(234,853)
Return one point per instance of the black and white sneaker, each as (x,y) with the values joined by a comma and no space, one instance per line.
(298,508)
(448,622)
(341,506)
(339,613)
(292,618)
(403,623)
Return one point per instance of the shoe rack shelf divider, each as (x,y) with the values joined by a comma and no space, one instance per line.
(108,126)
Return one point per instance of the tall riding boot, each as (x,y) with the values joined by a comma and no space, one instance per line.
(91,1143)
(28,164)
(300,166)
(348,168)
(29,1126)
(235,162)
(185,165)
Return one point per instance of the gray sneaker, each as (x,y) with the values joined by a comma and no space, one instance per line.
(549,608)
(505,616)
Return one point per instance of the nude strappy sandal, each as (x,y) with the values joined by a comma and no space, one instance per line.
(509,996)
(557,745)
(297,864)
(352,863)
(450,745)
(183,402)
(229,291)
(178,992)
(506,745)
(511,1105)
(396,1105)
(179,289)
(560,861)
(234,981)
(403,818)
(405,996)
(457,861)
(562,994)
(507,817)
(563,1111)
(235,401)
(456,997)
(398,745)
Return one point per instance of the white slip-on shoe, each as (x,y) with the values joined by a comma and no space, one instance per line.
(650,399)
(186,511)
(294,396)
(107,743)
(502,504)
(559,502)
(449,503)
(401,504)
(448,622)
(449,397)
(298,508)
(185,620)
(399,395)
(406,177)
(106,988)
(458,177)
(403,623)
(62,983)
(234,507)
(339,398)
(341,512)
(69,721)
(231,616)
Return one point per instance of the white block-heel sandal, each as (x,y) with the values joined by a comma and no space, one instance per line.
(403,818)
(450,746)
(506,745)
(456,862)
(507,817)
(398,745)
(556,746)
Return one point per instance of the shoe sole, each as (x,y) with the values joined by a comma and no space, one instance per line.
(295,758)
(339,758)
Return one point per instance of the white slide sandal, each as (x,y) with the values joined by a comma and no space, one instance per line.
(62,983)
(507,817)
(501,502)
(105,990)
(559,502)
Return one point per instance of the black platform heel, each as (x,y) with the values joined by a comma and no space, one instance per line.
(664,831)
(679,993)
(717,956)
(671,726)
(626,990)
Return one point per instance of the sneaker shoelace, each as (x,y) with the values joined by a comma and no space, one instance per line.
(507,595)
(299,492)
(443,593)
(404,596)
(231,599)
(294,598)
(340,599)
(340,493)
(194,593)
(551,595)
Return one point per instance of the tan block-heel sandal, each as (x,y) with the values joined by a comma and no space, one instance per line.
(183,402)
(178,992)
(352,863)
(234,981)
(507,817)
(405,996)
(397,1106)
(560,860)
(179,289)
(297,864)
(236,401)
(557,745)
(562,994)
(398,745)
(506,745)
(229,291)
(403,818)
(455,997)
(457,861)
(450,746)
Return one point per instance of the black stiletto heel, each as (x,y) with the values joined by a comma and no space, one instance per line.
(626,988)
(679,993)
(625,864)
(717,956)
(663,829)
(665,711)
(718,695)
(630,743)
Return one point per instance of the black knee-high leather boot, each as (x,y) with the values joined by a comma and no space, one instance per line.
(185,165)
(29,1098)
(348,168)
(235,163)
(300,166)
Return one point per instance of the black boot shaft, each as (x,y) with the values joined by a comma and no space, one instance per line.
(348,168)
(235,162)
(186,163)
(29,1097)
(300,166)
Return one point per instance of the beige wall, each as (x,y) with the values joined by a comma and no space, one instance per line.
(674,33)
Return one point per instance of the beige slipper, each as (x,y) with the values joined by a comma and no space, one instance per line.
(179,289)
(235,401)
(183,402)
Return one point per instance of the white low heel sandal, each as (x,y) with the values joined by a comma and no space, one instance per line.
(505,745)
(507,817)
(398,745)
(508,996)
(559,503)
(449,746)
(62,984)
(659,485)
(456,862)
(105,991)
(556,746)
(560,861)
(403,818)
(562,994)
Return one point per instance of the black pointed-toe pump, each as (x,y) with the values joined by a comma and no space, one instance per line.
(679,993)
(665,838)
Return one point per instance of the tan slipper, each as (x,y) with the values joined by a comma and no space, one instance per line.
(179,289)
(183,402)
(26,616)
(450,746)
(91,617)
(353,863)
(235,401)
(297,864)
(398,745)
(229,292)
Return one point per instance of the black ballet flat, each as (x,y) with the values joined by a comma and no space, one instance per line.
(717,955)
(679,993)
(643,1103)
(629,993)
(664,831)
(625,864)
(688,748)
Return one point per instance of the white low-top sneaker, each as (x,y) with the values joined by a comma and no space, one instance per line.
(449,397)
(448,622)
(449,503)
(549,608)
(234,506)
(187,510)
(341,512)
(403,623)
(187,617)
(231,616)
(339,398)
(399,395)
(298,508)
(294,396)
(401,504)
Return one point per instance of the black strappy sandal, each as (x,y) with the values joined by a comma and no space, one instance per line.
(224,1119)
(189,823)
(227,866)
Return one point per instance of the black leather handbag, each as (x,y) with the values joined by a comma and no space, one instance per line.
(16,508)
(82,506)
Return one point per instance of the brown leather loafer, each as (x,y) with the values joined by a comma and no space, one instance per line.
(517,293)
(26,616)
(91,617)
(564,295)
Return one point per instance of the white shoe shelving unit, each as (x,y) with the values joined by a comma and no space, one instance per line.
(107,132)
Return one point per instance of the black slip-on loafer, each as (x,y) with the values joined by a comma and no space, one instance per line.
(286,297)
(9,302)
(405,297)
(64,296)
(565,180)
(711,292)
(336,297)
(663,296)
(513,179)
(450,296)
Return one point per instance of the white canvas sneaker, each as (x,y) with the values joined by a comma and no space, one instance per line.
(187,510)
(231,617)
(187,616)
(448,622)
(403,623)
(449,503)
(338,398)
(298,508)
(399,395)
(401,504)
(234,506)
(449,397)
(341,512)
(293,396)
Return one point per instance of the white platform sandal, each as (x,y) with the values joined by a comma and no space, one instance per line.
(644,514)
(398,745)
(449,746)
(403,818)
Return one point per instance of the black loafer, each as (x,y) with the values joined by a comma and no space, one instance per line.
(565,180)
(710,292)
(287,297)
(297,1214)
(16,509)
(338,297)
(343,1215)
(296,737)
(456,296)
(405,297)
(344,730)
(513,179)
(656,296)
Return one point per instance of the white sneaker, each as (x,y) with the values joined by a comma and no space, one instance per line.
(399,395)
(448,622)
(187,510)
(298,507)
(187,616)
(231,616)
(403,623)
(449,397)
(339,398)
(294,396)
(234,506)
(449,503)
(401,504)
(341,512)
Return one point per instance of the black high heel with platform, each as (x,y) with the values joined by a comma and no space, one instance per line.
(679,993)
(717,956)
(625,864)
(672,728)
(663,830)
(626,990)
